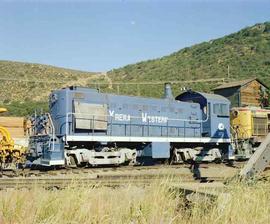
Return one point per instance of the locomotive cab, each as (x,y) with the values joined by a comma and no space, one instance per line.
(215,113)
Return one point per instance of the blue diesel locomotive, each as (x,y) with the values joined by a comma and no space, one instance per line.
(87,127)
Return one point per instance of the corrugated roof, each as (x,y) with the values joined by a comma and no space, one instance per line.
(237,83)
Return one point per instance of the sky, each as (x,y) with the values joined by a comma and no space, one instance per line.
(101,35)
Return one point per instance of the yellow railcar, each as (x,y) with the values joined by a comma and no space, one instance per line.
(249,126)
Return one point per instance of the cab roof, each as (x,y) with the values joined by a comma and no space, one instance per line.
(208,96)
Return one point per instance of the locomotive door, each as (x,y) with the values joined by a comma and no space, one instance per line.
(206,124)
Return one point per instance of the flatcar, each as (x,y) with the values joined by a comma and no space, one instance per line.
(85,127)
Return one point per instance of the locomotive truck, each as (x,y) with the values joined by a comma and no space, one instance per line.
(87,127)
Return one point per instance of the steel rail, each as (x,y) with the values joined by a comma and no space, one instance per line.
(109,181)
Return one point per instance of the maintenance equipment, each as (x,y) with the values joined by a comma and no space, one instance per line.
(11,155)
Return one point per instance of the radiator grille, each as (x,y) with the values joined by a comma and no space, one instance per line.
(260,126)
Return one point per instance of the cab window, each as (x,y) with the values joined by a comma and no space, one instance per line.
(221,109)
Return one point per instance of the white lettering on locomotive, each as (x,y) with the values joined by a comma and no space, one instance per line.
(122,117)
(153,119)
(119,117)
(145,117)
(111,112)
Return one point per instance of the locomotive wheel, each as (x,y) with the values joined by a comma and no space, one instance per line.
(73,163)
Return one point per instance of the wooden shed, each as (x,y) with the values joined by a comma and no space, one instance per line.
(249,92)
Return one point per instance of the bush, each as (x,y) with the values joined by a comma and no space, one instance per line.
(25,108)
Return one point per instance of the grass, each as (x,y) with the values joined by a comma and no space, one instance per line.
(131,204)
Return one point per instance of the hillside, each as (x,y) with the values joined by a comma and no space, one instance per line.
(237,56)
(247,53)
(27,81)
(25,87)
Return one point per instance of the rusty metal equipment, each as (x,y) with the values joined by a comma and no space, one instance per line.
(258,161)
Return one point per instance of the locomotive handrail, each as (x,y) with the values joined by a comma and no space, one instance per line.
(92,118)
(53,130)
(171,119)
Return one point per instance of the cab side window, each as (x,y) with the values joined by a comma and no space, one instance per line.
(221,109)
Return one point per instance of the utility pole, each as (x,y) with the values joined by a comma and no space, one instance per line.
(118,89)
(138,90)
(228,71)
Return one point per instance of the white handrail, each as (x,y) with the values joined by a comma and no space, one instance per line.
(171,119)
(53,130)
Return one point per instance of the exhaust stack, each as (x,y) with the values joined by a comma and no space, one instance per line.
(168,91)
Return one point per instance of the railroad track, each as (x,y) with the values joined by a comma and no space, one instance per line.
(60,183)
(102,170)
(111,176)
(109,181)
(92,170)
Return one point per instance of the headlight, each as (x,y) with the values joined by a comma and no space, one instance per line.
(221,126)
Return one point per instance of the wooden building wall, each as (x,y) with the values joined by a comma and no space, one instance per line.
(250,94)
(247,95)
(232,94)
